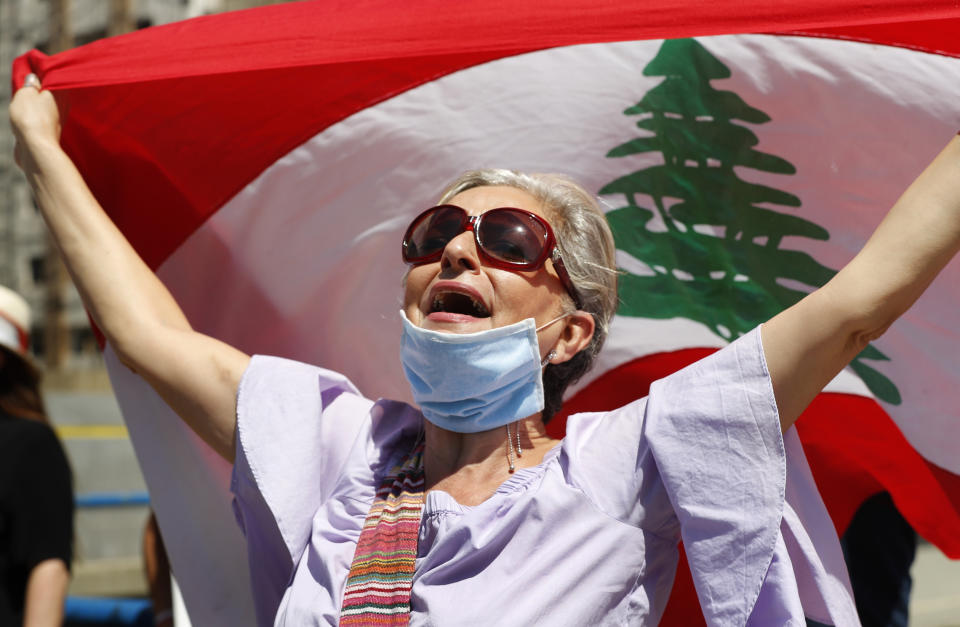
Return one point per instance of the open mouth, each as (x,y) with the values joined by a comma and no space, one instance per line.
(457,303)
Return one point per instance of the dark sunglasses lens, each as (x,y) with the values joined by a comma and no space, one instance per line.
(513,237)
(431,233)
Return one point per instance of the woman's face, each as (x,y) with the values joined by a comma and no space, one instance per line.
(460,294)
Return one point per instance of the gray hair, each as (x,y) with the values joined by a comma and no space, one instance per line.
(587,247)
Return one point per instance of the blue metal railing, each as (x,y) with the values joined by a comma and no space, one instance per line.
(87,612)
(111,499)
(107,612)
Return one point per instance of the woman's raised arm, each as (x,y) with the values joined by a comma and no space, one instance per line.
(195,374)
(809,343)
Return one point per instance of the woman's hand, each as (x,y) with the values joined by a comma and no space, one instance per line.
(35,120)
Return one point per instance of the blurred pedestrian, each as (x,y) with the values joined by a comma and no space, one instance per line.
(157,568)
(36,492)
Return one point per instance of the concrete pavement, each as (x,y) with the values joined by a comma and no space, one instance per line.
(935,601)
(107,557)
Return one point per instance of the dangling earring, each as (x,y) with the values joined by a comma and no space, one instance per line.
(548,358)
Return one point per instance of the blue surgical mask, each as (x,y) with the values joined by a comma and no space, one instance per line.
(474,382)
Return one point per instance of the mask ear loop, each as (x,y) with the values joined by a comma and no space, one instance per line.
(543,326)
(547,324)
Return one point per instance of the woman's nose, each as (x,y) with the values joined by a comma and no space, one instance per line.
(460,253)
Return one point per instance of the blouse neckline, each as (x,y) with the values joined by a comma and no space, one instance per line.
(439,501)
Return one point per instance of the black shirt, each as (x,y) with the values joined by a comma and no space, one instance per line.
(36,507)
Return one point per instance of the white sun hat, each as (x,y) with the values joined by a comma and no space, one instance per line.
(14,321)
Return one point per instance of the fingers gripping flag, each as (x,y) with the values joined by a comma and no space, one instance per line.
(265,164)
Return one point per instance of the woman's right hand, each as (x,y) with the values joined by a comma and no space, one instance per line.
(35,120)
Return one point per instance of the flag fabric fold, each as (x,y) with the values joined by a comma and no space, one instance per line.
(266,162)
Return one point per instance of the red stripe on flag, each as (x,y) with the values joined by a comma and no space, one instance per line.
(856,450)
(937,36)
(683,607)
(372,31)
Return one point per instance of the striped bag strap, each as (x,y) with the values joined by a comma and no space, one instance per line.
(381,575)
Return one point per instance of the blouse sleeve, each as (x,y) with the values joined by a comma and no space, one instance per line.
(714,431)
(296,425)
(760,545)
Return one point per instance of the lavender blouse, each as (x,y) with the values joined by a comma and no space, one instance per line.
(587,537)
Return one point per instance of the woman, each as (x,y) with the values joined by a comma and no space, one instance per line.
(465,511)
(36,493)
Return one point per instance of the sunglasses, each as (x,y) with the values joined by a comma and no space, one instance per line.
(507,238)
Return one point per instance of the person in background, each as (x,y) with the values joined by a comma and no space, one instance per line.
(879,547)
(36,491)
(156,567)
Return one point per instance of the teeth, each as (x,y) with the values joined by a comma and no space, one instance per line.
(478,307)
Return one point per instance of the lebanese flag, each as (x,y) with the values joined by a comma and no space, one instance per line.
(266,163)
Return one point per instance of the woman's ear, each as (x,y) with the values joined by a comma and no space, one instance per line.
(576,335)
